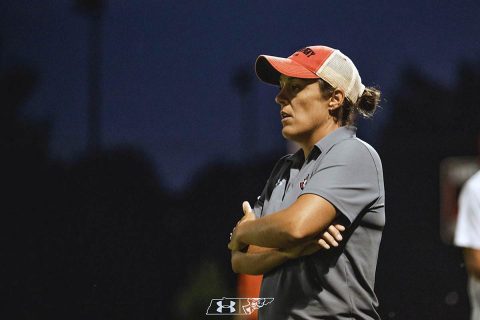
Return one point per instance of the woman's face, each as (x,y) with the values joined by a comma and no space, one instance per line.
(302,108)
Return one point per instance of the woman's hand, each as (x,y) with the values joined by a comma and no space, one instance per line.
(328,239)
(248,215)
(331,236)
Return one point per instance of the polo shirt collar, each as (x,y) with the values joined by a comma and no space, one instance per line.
(326,143)
(335,136)
(297,157)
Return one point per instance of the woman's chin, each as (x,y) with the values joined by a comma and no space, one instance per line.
(288,134)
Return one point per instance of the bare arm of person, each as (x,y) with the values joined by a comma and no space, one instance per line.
(259,260)
(472,261)
(304,220)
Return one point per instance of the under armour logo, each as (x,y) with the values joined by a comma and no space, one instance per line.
(236,306)
(229,306)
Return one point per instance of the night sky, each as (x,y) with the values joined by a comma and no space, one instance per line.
(168,66)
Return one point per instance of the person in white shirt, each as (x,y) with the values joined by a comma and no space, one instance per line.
(467,236)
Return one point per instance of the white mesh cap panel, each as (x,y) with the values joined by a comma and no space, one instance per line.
(340,72)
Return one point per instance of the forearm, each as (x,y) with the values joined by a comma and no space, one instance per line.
(268,232)
(472,261)
(304,220)
(257,261)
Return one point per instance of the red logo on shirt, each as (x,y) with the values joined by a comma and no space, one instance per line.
(303,183)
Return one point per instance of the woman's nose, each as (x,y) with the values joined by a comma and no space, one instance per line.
(281,99)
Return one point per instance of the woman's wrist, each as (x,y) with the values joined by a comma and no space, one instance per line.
(287,254)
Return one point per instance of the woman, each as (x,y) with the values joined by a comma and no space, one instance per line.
(333,179)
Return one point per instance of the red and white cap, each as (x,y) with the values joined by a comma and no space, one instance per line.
(313,63)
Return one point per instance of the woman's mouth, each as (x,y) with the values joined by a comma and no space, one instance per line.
(284,115)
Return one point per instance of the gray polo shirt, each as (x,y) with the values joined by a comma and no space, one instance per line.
(336,283)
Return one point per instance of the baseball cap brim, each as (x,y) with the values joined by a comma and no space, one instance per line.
(269,68)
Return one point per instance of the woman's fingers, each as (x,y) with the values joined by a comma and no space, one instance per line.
(246,207)
(329,238)
(333,230)
(323,244)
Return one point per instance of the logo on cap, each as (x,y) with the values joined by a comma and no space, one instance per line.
(306,51)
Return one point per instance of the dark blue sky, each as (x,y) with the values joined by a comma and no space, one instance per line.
(167,65)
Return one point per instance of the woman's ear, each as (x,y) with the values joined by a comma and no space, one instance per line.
(336,100)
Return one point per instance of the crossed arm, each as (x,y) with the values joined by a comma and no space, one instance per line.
(259,245)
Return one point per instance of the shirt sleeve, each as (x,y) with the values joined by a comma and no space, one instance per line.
(467,232)
(347,177)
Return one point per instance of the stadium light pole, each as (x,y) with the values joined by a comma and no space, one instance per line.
(93,9)
(242,81)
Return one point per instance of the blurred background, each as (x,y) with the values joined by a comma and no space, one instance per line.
(131,132)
